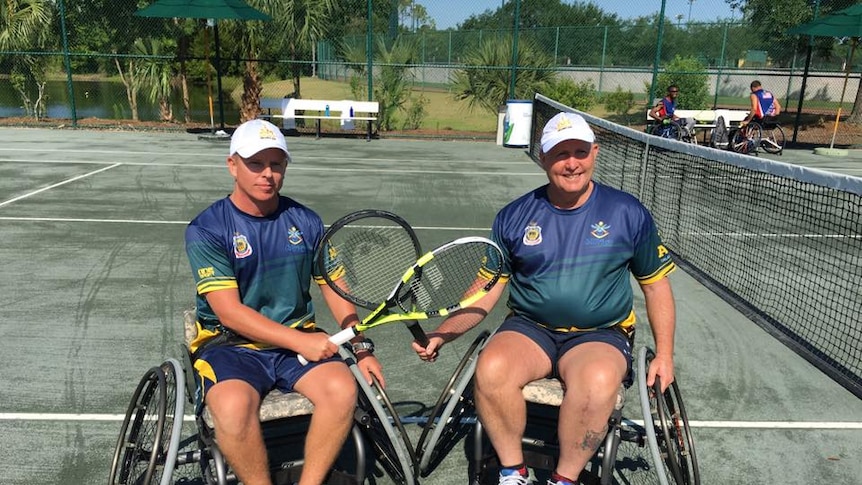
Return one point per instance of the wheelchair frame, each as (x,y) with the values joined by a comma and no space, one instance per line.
(151,449)
(665,429)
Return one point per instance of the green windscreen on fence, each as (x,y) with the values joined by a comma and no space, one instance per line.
(782,243)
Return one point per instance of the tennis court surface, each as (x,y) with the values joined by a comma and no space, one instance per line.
(96,280)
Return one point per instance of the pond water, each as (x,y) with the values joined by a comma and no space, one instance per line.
(107,99)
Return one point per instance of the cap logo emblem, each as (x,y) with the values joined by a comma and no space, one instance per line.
(266,134)
(563,123)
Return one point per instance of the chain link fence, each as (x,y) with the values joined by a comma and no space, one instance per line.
(80,62)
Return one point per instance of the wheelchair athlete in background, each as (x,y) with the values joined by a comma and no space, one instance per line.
(570,248)
(669,125)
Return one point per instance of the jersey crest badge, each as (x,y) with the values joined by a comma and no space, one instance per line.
(532,234)
(241,246)
(294,236)
(600,230)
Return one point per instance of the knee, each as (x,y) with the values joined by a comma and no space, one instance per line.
(599,384)
(337,391)
(492,371)
(234,409)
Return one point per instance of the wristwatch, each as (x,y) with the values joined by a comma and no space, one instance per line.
(364,346)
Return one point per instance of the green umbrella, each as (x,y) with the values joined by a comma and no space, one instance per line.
(843,23)
(213,10)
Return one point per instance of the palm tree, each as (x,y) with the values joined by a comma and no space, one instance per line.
(297,25)
(158,74)
(485,81)
(25,26)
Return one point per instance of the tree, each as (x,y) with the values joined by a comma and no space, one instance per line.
(691,77)
(25,26)
(484,82)
(772,19)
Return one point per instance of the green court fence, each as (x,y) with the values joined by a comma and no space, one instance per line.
(83,60)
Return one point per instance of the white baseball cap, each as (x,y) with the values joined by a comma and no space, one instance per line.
(256,135)
(565,126)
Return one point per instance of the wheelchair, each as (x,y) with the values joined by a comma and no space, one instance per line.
(152,448)
(664,431)
(675,131)
(772,136)
(747,139)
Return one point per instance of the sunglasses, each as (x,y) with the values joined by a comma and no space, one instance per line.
(674,91)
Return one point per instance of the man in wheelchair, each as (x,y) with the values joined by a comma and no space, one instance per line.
(663,112)
(251,256)
(764,106)
(570,247)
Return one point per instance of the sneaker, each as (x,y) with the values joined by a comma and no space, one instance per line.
(511,476)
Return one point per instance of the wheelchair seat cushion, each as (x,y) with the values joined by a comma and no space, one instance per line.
(276,405)
(550,392)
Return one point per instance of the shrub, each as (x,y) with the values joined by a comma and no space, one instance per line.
(579,95)
(619,102)
(691,76)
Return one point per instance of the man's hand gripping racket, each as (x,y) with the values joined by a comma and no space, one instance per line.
(362,255)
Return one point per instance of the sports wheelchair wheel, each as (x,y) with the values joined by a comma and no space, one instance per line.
(145,454)
(384,430)
(746,140)
(670,130)
(773,139)
(667,430)
(448,421)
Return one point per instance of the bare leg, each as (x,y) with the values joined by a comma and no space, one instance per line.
(234,406)
(331,387)
(508,363)
(592,373)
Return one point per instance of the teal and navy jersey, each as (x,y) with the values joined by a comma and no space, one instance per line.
(569,269)
(268,259)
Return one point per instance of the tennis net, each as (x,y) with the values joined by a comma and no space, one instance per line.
(781,243)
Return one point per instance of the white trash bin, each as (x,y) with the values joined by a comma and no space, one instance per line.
(516,124)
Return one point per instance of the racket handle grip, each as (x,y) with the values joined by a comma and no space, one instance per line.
(338,339)
(418,332)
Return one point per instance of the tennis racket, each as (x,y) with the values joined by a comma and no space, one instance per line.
(364,249)
(451,277)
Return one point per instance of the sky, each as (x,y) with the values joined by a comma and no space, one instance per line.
(449,13)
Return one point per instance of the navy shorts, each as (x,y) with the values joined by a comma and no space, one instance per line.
(555,344)
(264,370)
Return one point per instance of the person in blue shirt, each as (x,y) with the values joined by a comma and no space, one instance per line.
(251,257)
(764,105)
(570,248)
(666,107)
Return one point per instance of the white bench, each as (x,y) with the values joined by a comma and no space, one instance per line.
(344,111)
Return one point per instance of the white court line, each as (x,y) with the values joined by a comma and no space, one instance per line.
(143,221)
(812,425)
(774,235)
(58,184)
(301,168)
(296,157)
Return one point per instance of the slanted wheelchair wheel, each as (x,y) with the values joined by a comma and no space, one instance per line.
(141,434)
(670,130)
(667,429)
(384,431)
(448,421)
(773,140)
(175,385)
(747,139)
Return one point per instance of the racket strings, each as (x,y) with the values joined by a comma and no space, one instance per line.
(367,260)
(451,276)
